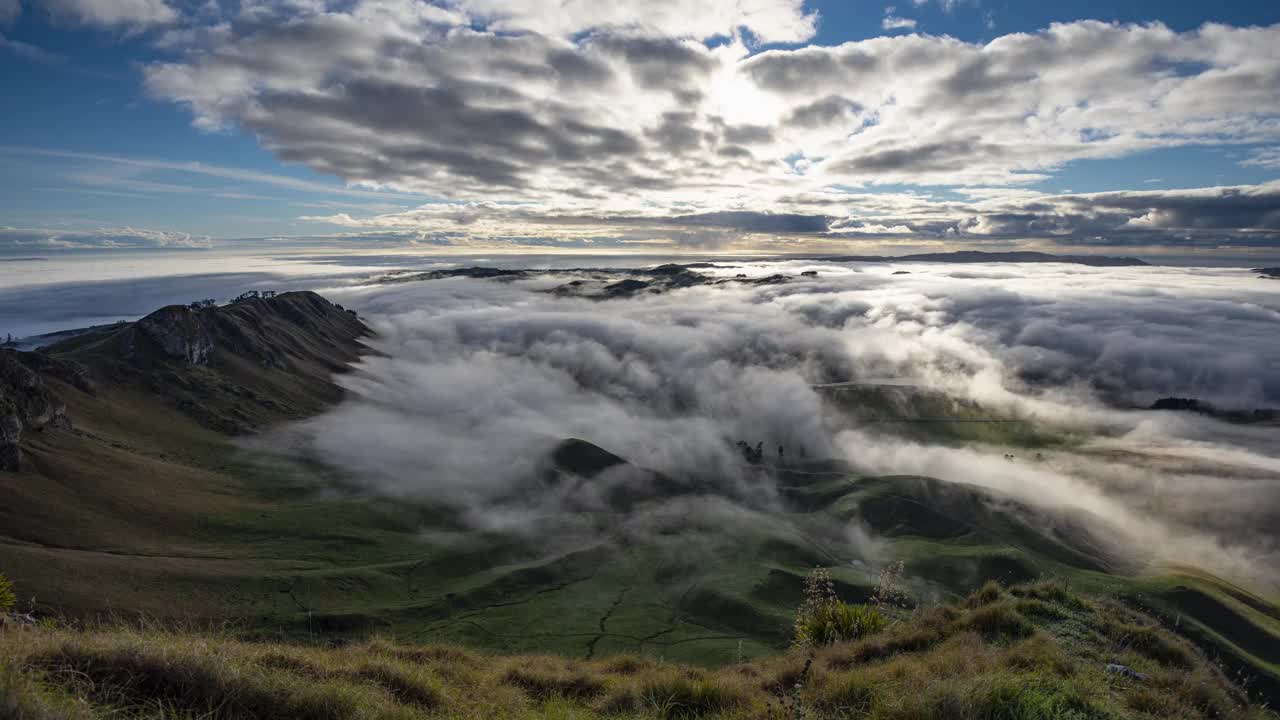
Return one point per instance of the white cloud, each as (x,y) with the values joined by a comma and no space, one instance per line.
(475,381)
(1268,158)
(768,20)
(1215,217)
(23,240)
(608,122)
(113,13)
(893,22)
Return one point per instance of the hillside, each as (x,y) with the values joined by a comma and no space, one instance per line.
(147,502)
(1032,651)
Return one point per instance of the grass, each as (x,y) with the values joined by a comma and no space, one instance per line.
(977,660)
(259,543)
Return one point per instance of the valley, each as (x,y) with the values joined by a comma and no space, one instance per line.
(163,500)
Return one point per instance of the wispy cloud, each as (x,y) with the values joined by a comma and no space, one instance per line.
(27,51)
(892,22)
(217,171)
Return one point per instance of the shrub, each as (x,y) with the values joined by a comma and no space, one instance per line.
(889,591)
(7,597)
(838,622)
(824,620)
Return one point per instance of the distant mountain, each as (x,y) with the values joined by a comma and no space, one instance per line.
(1254,415)
(977,256)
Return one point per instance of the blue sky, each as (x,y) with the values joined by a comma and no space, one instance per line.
(94,137)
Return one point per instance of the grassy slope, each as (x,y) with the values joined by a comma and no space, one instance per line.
(1034,652)
(232,537)
(142,509)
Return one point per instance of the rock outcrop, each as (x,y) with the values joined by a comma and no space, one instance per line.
(179,332)
(234,368)
(26,404)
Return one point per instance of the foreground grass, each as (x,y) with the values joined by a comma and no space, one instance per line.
(1033,651)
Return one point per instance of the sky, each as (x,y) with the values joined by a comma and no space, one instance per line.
(1139,128)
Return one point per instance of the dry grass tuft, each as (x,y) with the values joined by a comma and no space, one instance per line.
(546,678)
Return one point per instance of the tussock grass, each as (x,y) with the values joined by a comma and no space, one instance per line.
(985,595)
(1150,641)
(1052,591)
(545,678)
(999,623)
(1035,652)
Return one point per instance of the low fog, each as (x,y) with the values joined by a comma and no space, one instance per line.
(475,382)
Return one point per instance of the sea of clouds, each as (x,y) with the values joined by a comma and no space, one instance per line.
(475,381)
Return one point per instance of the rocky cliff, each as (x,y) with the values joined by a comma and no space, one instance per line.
(26,403)
(179,332)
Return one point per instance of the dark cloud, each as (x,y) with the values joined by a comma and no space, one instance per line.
(1246,216)
(926,157)
(747,221)
(830,110)
(662,64)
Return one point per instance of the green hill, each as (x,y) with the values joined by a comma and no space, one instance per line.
(145,505)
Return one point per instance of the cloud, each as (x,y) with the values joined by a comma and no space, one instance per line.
(1216,217)
(27,51)
(475,381)
(770,21)
(27,240)
(619,109)
(1268,158)
(133,14)
(893,22)
(242,175)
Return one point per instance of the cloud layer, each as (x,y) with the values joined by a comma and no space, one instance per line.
(29,240)
(477,380)
(626,110)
